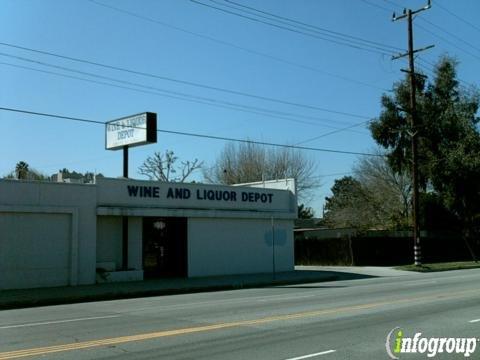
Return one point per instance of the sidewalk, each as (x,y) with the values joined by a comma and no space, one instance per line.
(10,299)
(376,271)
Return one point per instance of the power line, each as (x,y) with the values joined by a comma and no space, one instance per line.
(213,137)
(394,3)
(321,30)
(235,46)
(457,17)
(448,42)
(259,112)
(428,62)
(377,6)
(332,132)
(451,34)
(313,35)
(209,87)
(177,95)
(443,30)
(304,29)
(215,167)
(334,174)
(431,68)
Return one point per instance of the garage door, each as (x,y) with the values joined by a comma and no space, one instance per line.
(34,250)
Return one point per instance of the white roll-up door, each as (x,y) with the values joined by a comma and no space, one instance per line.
(34,249)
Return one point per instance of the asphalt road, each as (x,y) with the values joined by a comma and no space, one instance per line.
(335,320)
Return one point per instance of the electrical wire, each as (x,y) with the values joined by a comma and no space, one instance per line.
(320,30)
(448,41)
(313,35)
(230,91)
(334,174)
(377,6)
(259,112)
(442,29)
(458,38)
(457,17)
(180,96)
(205,136)
(235,46)
(332,132)
(431,67)
(394,3)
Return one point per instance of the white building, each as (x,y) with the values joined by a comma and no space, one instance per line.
(56,234)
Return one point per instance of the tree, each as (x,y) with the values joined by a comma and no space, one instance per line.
(449,140)
(436,216)
(457,180)
(250,162)
(163,167)
(305,212)
(389,191)
(456,139)
(350,205)
(391,129)
(376,197)
(21,170)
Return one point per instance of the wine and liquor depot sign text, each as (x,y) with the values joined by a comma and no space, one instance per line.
(199,194)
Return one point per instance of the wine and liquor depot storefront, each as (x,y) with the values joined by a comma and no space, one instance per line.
(55,234)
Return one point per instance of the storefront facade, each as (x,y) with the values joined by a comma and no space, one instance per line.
(55,234)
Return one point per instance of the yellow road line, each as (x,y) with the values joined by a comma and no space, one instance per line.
(159,334)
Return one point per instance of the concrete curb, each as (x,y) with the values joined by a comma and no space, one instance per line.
(29,298)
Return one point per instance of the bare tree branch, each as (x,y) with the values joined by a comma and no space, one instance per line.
(162,167)
(249,162)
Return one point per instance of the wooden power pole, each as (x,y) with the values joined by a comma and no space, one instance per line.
(408,14)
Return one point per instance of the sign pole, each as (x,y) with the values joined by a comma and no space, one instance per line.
(125,161)
(124,243)
(133,130)
(125,218)
(273,250)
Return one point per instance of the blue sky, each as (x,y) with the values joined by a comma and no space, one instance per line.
(186,41)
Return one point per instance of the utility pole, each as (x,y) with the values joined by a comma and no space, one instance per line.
(408,14)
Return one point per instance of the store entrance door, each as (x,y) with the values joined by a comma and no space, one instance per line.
(164,247)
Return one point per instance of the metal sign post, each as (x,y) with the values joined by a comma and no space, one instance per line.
(273,250)
(134,130)
(125,161)
(125,218)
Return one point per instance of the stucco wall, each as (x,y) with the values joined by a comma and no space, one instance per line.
(109,241)
(219,246)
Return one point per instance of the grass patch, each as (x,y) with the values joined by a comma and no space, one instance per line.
(440,266)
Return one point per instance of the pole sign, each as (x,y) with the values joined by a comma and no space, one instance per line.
(134,130)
